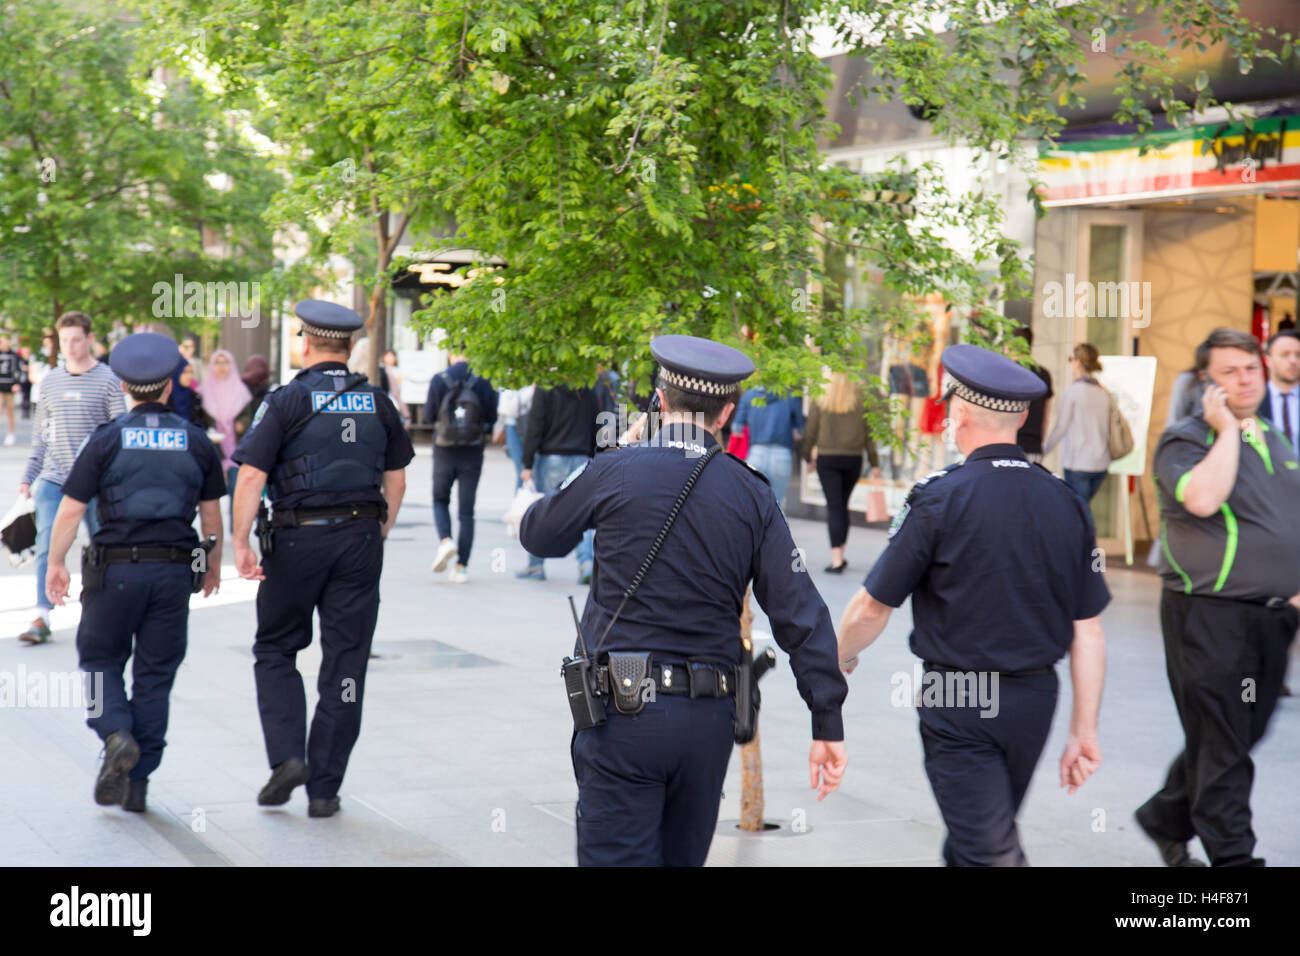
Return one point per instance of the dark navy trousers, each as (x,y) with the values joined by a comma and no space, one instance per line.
(142,608)
(980,767)
(649,786)
(334,569)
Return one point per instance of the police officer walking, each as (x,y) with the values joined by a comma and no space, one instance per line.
(998,556)
(664,633)
(330,451)
(148,470)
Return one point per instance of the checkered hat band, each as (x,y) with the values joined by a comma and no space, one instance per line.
(147,386)
(700,386)
(954,387)
(325,333)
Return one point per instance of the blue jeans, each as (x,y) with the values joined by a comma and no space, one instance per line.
(515,449)
(549,472)
(1085,483)
(775,462)
(47,495)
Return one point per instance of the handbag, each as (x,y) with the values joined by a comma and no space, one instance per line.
(738,443)
(514,515)
(1119,438)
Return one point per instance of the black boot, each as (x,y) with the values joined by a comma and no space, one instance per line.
(1173,852)
(121,753)
(286,775)
(318,807)
(135,793)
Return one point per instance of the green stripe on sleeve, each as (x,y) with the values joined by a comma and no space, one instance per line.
(1181,488)
(1229,548)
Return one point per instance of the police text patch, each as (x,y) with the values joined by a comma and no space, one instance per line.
(344,403)
(156,439)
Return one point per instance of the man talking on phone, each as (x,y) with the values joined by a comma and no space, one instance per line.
(1230,540)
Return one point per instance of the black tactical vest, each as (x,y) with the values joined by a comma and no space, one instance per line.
(154,474)
(340,450)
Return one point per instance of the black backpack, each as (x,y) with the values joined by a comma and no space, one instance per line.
(460,416)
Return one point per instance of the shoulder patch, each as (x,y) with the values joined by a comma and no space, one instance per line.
(573,476)
(257,416)
(899,518)
(752,470)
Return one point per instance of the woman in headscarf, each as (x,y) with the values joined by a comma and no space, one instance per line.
(224,396)
(182,396)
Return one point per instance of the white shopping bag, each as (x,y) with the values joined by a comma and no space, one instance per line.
(524,497)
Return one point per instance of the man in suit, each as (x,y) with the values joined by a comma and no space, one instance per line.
(1281,405)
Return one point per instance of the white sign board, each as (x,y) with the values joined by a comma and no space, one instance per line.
(1132,380)
(419,366)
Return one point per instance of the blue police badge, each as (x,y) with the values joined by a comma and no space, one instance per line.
(257,416)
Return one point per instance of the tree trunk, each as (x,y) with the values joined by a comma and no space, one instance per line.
(377,323)
(751,758)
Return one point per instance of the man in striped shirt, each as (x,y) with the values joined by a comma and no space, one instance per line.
(76,398)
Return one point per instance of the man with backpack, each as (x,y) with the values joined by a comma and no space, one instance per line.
(463,407)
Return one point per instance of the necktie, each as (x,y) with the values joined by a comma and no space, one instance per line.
(1286,419)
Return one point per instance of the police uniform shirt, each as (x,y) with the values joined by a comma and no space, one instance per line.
(1248,550)
(285,407)
(689,603)
(83,482)
(998,555)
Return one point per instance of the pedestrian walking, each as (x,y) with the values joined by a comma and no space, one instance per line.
(998,557)
(776,424)
(513,406)
(1228,485)
(834,442)
(224,396)
(75,399)
(664,638)
(1030,436)
(25,380)
(331,453)
(1083,423)
(463,408)
(10,383)
(561,438)
(149,472)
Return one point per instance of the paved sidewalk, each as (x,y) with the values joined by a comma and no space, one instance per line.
(463,756)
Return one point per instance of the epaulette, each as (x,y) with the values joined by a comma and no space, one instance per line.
(752,469)
(931,477)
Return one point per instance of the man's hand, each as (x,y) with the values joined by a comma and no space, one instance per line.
(212,580)
(827,758)
(874,474)
(526,475)
(56,583)
(1080,761)
(635,431)
(1217,413)
(25,490)
(246,562)
(850,665)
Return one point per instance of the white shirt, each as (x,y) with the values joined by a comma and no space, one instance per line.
(1292,398)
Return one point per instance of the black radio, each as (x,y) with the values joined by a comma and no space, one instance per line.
(580,683)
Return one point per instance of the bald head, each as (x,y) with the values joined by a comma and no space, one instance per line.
(975,426)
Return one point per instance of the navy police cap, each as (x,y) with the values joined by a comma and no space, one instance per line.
(701,366)
(327,319)
(989,379)
(145,360)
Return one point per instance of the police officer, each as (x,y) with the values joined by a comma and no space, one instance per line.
(149,470)
(331,453)
(998,556)
(649,783)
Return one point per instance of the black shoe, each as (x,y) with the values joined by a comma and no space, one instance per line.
(317,807)
(135,791)
(1173,852)
(1285,691)
(121,753)
(286,775)
(836,568)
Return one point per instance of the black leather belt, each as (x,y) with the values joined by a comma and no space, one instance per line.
(172,555)
(684,679)
(307,517)
(1032,672)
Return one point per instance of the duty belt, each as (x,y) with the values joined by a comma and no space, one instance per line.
(305,517)
(691,678)
(171,555)
(1032,672)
